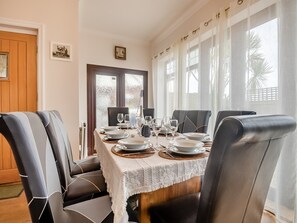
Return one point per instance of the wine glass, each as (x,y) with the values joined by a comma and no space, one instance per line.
(156,125)
(120,117)
(126,118)
(173,127)
(166,125)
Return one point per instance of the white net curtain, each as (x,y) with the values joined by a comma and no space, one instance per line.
(244,58)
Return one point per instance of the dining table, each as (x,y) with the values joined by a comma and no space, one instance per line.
(153,176)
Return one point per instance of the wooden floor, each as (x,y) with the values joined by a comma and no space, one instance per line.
(14,210)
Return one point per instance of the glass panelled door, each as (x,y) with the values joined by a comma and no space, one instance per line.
(106,96)
(134,85)
(112,87)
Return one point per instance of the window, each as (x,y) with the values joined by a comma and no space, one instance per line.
(192,79)
(170,85)
(262,61)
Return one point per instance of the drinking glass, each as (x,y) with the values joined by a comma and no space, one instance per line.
(139,124)
(126,118)
(120,117)
(156,125)
(133,120)
(148,120)
(173,127)
(166,125)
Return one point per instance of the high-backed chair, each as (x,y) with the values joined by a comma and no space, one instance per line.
(113,112)
(38,171)
(238,173)
(74,186)
(226,113)
(180,115)
(88,164)
(149,112)
(196,121)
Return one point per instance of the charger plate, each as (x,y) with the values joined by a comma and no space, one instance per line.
(174,156)
(133,155)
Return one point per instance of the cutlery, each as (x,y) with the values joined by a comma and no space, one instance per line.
(136,153)
(169,154)
(166,151)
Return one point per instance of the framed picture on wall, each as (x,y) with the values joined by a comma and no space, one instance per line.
(61,51)
(120,52)
(3,65)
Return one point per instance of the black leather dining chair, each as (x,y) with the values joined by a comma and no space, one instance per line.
(88,164)
(240,166)
(149,112)
(180,115)
(113,112)
(196,121)
(39,174)
(79,181)
(192,120)
(226,113)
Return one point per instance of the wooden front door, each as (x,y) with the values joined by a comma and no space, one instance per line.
(18,90)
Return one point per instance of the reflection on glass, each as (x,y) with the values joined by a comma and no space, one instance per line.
(105,97)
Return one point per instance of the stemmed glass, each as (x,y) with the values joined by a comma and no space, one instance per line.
(127,119)
(173,127)
(120,117)
(156,125)
(166,124)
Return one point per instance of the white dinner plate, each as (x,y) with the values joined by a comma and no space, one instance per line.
(195,135)
(134,143)
(164,131)
(117,134)
(187,145)
(124,148)
(124,125)
(193,152)
(109,128)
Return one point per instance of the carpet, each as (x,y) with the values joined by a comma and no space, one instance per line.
(10,190)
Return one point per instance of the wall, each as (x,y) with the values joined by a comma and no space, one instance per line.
(60,20)
(98,49)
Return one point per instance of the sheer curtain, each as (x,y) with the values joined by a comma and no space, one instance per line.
(243,57)
(166,81)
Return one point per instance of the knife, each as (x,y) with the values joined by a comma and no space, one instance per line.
(136,153)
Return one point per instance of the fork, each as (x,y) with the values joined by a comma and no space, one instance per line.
(166,151)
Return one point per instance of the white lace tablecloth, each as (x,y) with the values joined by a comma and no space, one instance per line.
(126,177)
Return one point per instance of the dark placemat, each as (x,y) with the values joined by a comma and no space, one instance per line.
(108,140)
(132,155)
(174,156)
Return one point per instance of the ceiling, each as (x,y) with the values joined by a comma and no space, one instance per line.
(142,20)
